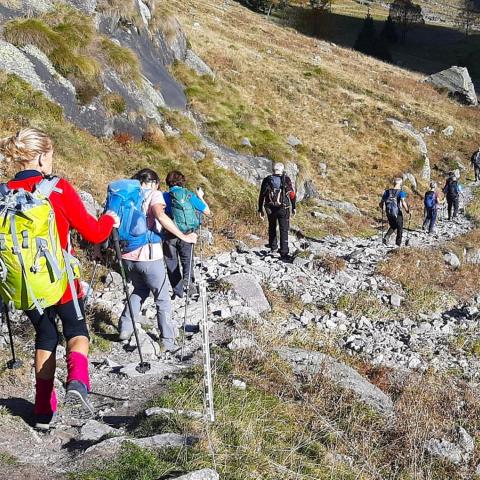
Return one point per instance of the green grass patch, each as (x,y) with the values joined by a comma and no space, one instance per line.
(229,118)
(63,36)
(8,460)
(122,60)
(362,304)
(114,103)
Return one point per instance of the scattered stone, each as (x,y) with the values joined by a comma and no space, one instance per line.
(457,81)
(444,450)
(408,129)
(113,280)
(241,343)
(249,290)
(409,177)
(205,474)
(246,142)
(167,412)
(239,384)
(465,441)
(448,132)
(158,369)
(198,156)
(94,431)
(309,362)
(293,141)
(164,440)
(452,260)
(395,300)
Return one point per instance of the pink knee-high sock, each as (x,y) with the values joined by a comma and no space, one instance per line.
(45,397)
(77,366)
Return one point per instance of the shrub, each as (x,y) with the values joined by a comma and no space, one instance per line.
(114,103)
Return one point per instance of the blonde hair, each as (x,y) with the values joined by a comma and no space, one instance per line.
(25,146)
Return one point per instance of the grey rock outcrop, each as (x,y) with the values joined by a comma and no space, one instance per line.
(410,131)
(309,362)
(452,260)
(248,288)
(94,431)
(457,81)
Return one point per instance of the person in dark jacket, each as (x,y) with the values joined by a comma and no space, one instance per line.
(476,164)
(452,191)
(277,198)
(394,201)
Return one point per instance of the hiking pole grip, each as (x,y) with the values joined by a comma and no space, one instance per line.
(143,366)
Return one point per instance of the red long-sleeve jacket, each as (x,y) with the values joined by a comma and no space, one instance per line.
(70,212)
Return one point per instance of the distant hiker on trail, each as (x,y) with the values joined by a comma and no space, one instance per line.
(452,191)
(431,202)
(277,198)
(393,201)
(476,164)
(185,209)
(145,265)
(55,292)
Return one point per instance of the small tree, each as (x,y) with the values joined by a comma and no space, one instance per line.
(366,39)
(389,32)
(468,16)
(406,14)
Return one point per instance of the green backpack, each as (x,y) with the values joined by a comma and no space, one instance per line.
(34,270)
(183,212)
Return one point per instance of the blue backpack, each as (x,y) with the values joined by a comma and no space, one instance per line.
(430,201)
(183,212)
(126,199)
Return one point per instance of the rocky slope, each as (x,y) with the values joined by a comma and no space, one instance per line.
(238,280)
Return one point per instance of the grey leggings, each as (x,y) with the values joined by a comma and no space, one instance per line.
(149,277)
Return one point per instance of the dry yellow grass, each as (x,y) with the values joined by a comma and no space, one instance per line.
(308,88)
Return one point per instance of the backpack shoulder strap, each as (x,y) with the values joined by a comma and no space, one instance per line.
(48,185)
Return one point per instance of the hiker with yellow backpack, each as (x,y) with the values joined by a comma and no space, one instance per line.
(38,273)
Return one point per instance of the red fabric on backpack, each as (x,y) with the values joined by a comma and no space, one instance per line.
(70,212)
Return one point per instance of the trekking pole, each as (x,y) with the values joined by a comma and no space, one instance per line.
(187,298)
(142,367)
(383,224)
(14,363)
(207,368)
(407,243)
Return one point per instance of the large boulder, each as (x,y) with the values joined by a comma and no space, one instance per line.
(457,81)
(249,290)
(314,363)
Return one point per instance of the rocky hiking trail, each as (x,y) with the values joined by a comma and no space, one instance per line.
(237,288)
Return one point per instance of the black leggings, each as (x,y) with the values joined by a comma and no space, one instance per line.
(45,325)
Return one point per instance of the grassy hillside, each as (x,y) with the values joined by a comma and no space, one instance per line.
(335,100)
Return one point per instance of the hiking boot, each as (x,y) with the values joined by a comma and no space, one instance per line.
(77,398)
(44,422)
(286,258)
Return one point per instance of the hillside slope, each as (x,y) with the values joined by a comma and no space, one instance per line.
(335,100)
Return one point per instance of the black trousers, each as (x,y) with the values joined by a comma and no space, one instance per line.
(452,203)
(476,168)
(396,224)
(178,253)
(280,216)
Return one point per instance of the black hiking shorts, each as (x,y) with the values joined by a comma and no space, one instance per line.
(45,325)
